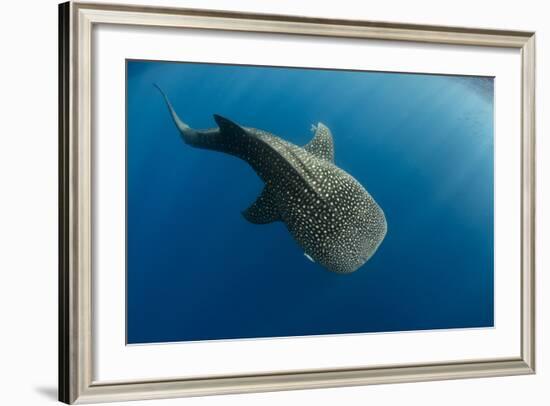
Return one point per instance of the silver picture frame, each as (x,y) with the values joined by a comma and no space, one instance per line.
(76,21)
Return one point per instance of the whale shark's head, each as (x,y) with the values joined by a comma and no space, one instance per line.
(347,236)
(355,244)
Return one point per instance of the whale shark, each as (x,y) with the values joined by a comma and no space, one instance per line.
(328,212)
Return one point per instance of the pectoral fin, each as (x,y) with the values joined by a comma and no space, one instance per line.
(264,210)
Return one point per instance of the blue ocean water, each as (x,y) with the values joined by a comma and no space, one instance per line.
(422,145)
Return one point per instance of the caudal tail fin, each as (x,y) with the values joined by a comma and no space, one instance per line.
(213,139)
(187,133)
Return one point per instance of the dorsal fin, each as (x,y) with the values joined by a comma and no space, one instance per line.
(264,209)
(228,126)
(321,145)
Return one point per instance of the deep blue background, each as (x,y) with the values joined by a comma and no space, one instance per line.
(422,145)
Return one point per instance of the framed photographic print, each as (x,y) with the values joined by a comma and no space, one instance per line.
(262,202)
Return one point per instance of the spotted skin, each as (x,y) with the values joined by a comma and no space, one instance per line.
(329,214)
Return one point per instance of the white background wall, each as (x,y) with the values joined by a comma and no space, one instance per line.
(28,200)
